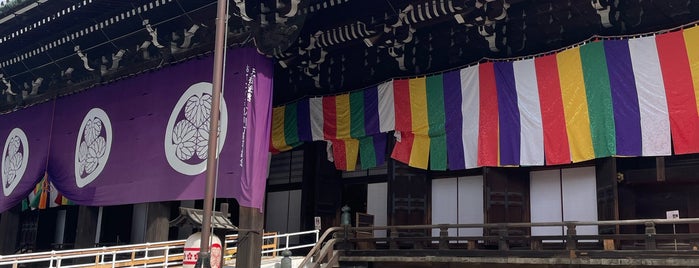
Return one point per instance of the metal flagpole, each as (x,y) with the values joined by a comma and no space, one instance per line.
(204,259)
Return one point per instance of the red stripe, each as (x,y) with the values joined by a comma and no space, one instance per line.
(402,149)
(401,98)
(681,103)
(556,147)
(329,118)
(488,116)
(340,154)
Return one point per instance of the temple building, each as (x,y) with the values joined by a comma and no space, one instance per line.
(414,111)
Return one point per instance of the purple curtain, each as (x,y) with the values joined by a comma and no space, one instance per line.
(145,139)
(25,139)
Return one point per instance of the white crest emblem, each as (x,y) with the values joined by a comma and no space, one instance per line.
(15,156)
(187,133)
(93,146)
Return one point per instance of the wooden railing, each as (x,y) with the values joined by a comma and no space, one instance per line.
(511,239)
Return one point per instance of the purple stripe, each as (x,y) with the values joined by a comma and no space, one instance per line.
(303,119)
(508,113)
(627,116)
(371,111)
(380,145)
(453,124)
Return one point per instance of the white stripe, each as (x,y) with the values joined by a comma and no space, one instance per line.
(387,114)
(316,109)
(470,112)
(652,102)
(531,132)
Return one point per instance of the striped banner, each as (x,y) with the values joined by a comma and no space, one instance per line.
(652,101)
(531,138)
(679,89)
(635,97)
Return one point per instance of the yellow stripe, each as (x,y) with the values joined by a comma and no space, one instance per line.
(278,139)
(351,152)
(420,153)
(342,108)
(418,106)
(575,104)
(691,40)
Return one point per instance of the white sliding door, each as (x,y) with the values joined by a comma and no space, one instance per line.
(545,201)
(458,201)
(563,195)
(580,197)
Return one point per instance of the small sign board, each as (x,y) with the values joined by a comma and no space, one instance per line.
(672,214)
(316,220)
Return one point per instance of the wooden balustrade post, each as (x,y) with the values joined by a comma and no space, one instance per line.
(502,238)
(650,236)
(443,236)
(571,240)
(393,244)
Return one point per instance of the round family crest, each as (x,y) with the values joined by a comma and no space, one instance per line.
(93,146)
(187,133)
(15,156)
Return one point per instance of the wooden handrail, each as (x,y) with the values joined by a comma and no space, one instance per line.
(318,245)
(505,236)
(531,224)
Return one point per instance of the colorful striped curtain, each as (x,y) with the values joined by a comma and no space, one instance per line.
(44,196)
(633,97)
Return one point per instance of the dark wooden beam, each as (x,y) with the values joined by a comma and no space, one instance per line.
(86,229)
(9,228)
(660,168)
(158,221)
(671,174)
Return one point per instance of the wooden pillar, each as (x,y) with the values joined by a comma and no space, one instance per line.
(607,193)
(693,208)
(660,168)
(9,228)
(250,238)
(86,229)
(158,221)
(627,208)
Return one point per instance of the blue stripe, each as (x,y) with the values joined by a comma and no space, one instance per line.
(508,111)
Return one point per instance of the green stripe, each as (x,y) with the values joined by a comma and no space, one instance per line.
(435,118)
(367,152)
(291,133)
(357,115)
(599,99)
(435,105)
(438,152)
